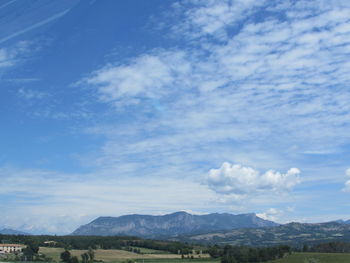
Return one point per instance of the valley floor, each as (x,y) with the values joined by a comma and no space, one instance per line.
(116,255)
(315,258)
(119,256)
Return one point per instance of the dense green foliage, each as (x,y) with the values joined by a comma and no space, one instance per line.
(235,254)
(292,234)
(330,247)
(226,254)
(314,258)
(98,242)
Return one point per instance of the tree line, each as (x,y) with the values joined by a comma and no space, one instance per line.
(243,254)
(86,257)
(96,242)
(329,247)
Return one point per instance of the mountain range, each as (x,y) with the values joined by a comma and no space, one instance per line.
(9,231)
(347,222)
(216,228)
(170,225)
(291,233)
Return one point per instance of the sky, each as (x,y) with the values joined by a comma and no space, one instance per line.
(151,107)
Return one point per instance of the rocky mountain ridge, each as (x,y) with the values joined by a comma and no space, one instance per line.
(291,234)
(9,231)
(170,225)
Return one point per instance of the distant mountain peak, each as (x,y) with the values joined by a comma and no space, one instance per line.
(170,225)
(9,231)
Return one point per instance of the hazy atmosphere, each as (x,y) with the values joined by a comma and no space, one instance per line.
(112,107)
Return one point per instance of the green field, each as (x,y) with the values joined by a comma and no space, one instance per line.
(150,251)
(315,257)
(294,258)
(206,260)
(117,255)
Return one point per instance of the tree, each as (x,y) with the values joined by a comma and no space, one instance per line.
(85,257)
(305,248)
(66,256)
(74,259)
(91,254)
(214,251)
(28,254)
(228,259)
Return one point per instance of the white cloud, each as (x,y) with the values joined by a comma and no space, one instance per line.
(11,55)
(347,183)
(271,92)
(271,80)
(240,180)
(262,94)
(148,76)
(43,201)
(213,17)
(30,94)
(6,59)
(347,172)
(272,214)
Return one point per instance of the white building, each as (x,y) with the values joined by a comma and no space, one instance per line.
(11,248)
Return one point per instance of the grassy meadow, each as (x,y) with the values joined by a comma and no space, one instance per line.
(157,256)
(315,258)
(119,256)
(116,255)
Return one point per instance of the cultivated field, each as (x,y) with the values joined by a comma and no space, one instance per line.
(116,255)
(206,260)
(315,258)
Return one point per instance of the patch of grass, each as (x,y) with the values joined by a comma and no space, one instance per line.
(116,255)
(206,260)
(151,251)
(315,257)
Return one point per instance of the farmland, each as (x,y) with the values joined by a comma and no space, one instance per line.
(118,255)
(315,258)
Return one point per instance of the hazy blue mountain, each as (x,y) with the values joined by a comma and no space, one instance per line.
(341,221)
(180,223)
(8,231)
(292,233)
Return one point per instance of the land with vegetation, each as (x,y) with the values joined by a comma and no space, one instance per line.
(94,249)
(315,258)
(292,234)
(170,225)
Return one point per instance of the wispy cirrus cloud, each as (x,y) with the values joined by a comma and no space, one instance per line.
(9,56)
(280,77)
(68,200)
(260,83)
(5,58)
(213,18)
(148,76)
(246,88)
(30,94)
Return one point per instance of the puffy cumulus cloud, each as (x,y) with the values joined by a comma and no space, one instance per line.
(347,183)
(275,89)
(347,172)
(272,214)
(239,180)
(144,77)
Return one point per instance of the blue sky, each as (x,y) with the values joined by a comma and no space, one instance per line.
(117,107)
